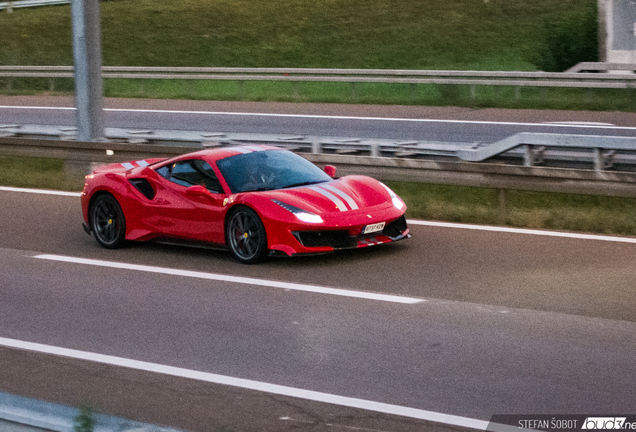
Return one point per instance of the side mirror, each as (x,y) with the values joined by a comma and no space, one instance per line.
(197,191)
(330,170)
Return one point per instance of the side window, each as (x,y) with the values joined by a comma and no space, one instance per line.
(164,171)
(192,172)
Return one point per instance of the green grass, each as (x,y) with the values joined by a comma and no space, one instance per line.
(410,34)
(36,173)
(361,93)
(596,214)
(537,210)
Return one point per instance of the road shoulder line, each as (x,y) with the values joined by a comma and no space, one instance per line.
(249,384)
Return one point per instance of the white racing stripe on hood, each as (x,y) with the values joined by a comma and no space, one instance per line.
(342,195)
(339,204)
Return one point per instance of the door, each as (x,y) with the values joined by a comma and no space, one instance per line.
(189,201)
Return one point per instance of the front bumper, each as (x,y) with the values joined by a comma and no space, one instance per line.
(328,240)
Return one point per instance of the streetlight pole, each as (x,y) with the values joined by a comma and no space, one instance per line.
(87,54)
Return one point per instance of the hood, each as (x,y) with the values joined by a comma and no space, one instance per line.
(346,194)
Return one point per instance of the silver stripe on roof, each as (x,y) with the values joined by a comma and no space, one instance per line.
(254,148)
(243,150)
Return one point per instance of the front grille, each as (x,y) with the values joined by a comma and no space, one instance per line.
(395,228)
(340,239)
(336,239)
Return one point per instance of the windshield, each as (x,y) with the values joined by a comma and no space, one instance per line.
(268,170)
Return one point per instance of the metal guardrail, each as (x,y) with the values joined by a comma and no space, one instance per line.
(600,153)
(9,5)
(471,78)
(602,67)
(33,414)
(513,163)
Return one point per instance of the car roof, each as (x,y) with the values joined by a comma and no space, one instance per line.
(215,154)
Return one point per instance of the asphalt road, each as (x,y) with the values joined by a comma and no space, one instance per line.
(508,323)
(446,124)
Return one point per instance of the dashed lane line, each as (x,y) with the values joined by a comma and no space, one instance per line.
(235,279)
(39,191)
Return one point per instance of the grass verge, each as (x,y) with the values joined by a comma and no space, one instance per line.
(359,93)
(524,209)
(38,173)
(537,210)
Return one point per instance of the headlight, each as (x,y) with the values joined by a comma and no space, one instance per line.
(397,202)
(301,214)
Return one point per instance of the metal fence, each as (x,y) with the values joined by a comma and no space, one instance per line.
(9,5)
(470,78)
(590,152)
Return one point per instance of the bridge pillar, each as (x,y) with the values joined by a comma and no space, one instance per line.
(617,31)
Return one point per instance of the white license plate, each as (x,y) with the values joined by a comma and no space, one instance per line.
(373,228)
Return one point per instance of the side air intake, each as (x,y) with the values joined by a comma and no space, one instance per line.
(144,187)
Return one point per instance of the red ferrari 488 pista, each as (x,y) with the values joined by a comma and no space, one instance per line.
(255,200)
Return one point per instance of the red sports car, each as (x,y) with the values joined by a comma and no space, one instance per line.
(255,200)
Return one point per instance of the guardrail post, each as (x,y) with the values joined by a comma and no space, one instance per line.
(603,160)
(598,159)
(316,148)
(532,155)
(375,149)
(528,156)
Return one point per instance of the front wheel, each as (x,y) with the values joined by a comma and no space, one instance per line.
(108,222)
(245,236)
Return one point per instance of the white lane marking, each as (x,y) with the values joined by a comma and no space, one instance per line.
(580,123)
(312,116)
(525,231)
(421,222)
(249,384)
(235,279)
(39,191)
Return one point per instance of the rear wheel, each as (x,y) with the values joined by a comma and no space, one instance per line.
(108,222)
(245,236)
